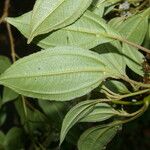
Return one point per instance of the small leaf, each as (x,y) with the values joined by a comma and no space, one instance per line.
(87,32)
(4,63)
(61,73)
(99,6)
(50,15)
(14,139)
(116,86)
(101,112)
(8,95)
(75,115)
(97,138)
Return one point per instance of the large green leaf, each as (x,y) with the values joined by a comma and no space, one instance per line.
(49,15)
(87,32)
(61,73)
(100,112)
(97,138)
(75,115)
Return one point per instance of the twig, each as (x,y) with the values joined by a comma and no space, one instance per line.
(11,39)
(5,11)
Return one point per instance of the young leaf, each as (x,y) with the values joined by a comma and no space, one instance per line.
(75,115)
(98,6)
(50,15)
(61,73)
(100,112)
(97,138)
(116,86)
(87,32)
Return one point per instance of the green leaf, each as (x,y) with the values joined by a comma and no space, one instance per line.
(2,139)
(30,117)
(53,110)
(99,6)
(97,138)
(101,112)
(116,86)
(75,115)
(87,32)
(113,56)
(8,95)
(50,15)
(133,29)
(61,73)
(4,63)
(3,116)
(14,139)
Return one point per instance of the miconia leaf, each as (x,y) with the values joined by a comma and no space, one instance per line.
(87,32)
(50,15)
(113,56)
(75,115)
(116,86)
(133,29)
(97,138)
(99,6)
(100,112)
(61,73)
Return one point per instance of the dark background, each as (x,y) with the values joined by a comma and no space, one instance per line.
(135,135)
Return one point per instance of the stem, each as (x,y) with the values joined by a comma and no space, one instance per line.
(5,11)
(140,84)
(135,93)
(136,115)
(12,46)
(131,43)
(24,107)
(127,103)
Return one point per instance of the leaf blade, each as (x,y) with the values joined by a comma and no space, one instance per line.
(96,138)
(49,15)
(61,73)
